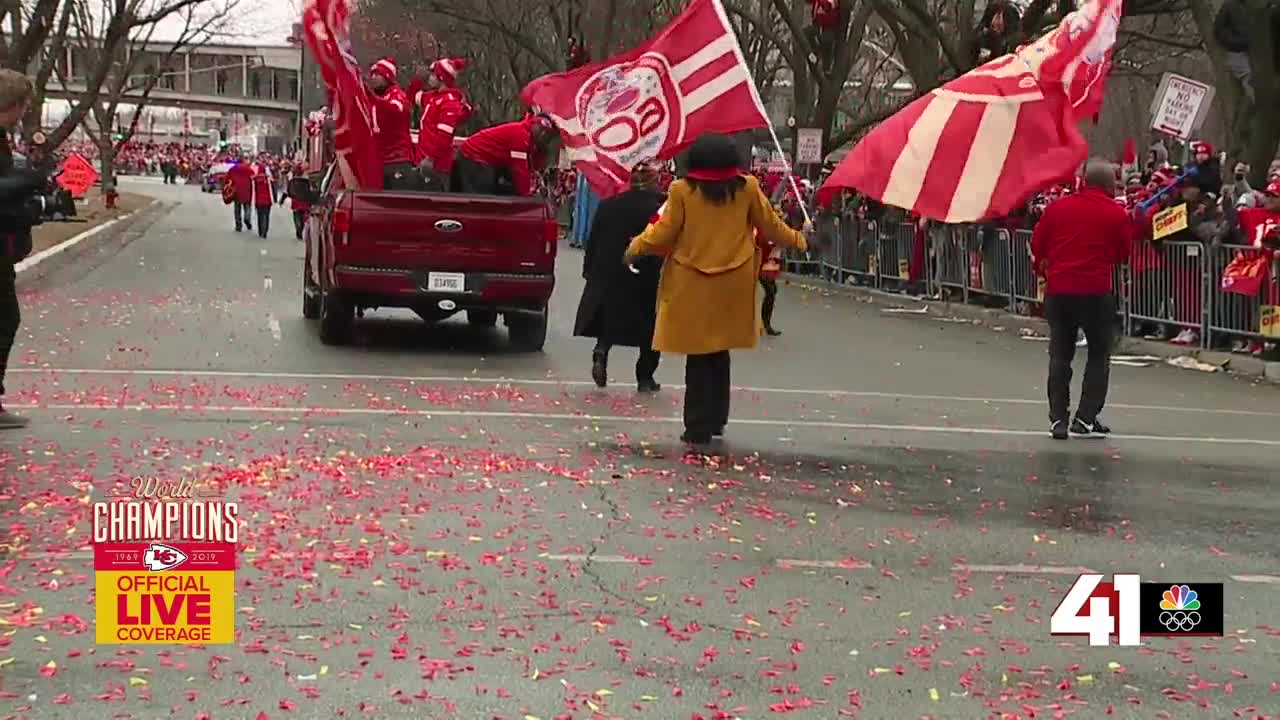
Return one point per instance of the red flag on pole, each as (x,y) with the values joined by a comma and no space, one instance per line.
(978,146)
(653,101)
(326,24)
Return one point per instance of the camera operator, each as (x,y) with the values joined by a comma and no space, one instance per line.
(17,186)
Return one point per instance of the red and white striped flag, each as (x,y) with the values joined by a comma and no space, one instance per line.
(978,146)
(327,27)
(653,101)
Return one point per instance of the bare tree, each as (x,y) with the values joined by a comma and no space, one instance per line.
(129,81)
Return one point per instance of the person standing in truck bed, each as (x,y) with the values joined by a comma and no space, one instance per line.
(391,127)
(507,152)
(444,108)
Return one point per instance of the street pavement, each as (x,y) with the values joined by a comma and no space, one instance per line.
(437,526)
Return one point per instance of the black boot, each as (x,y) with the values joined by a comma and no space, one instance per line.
(648,385)
(600,367)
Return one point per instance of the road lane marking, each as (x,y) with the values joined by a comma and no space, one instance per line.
(494,380)
(1021,569)
(596,558)
(1269,579)
(630,420)
(274,326)
(787,563)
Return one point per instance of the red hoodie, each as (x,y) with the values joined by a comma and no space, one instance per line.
(1078,242)
(510,146)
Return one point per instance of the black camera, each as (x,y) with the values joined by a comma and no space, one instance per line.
(48,201)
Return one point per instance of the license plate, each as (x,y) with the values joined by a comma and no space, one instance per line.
(446,282)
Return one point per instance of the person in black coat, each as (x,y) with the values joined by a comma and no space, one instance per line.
(619,302)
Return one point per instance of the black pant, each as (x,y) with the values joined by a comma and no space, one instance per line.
(770,299)
(400,176)
(476,178)
(706,393)
(299,222)
(646,364)
(244,218)
(1067,315)
(264,221)
(10,317)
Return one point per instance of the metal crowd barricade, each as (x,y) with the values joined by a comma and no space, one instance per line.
(1171,287)
(1232,314)
(1025,286)
(1166,292)
(858,258)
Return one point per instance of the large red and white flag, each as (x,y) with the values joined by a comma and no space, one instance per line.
(327,27)
(653,101)
(978,146)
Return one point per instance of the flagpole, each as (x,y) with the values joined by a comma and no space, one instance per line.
(755,94)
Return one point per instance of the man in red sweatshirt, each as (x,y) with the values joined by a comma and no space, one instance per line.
(1076,245)
(391,127)
(444,108)
(502,154)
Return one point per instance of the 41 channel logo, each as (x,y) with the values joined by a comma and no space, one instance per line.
(1129,610)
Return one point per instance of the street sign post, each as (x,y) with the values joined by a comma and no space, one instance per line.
(1180,106)
(808,145)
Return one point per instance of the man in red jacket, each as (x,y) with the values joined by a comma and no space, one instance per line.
(391,127)
(507,153)
(262,195)
(444,108)
(1076,245)
(241,178)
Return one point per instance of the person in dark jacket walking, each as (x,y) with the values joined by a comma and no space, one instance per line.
(619,302)
(16,93)
(1076,245)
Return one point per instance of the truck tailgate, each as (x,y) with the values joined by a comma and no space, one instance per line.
(449,232)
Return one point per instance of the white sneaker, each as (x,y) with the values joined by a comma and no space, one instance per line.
(1184,338)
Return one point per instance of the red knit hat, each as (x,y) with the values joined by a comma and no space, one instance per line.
(1200,147)
(386,67)
(447,69)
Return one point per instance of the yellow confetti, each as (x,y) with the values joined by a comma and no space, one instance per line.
(648,698)
(905,614)
(532,717)
(1084,679)
(1004,679)
(354,626)
(881,671)
(933,694)
(752,623)
(378,583)
(535,674)
(41,639)
(594,707)
(651,598)
(324,669)
(6,661)
(604,693)
(436,554)
(1113,665)
(136,681)
(51,665)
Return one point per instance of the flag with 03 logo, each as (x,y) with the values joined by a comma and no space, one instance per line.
(1130,610)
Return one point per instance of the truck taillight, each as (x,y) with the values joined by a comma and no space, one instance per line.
(341,220)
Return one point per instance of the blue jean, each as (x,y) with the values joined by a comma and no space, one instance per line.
(243,217)
(264,221)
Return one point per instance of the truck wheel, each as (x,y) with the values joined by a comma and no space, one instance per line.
(336,318)
(310,299)
(528,331)
(482,318)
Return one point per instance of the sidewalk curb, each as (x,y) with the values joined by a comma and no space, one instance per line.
(71,242)
(992,317)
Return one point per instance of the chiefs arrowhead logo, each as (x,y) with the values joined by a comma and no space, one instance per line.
(162,557)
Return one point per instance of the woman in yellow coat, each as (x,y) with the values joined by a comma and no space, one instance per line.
(707,301)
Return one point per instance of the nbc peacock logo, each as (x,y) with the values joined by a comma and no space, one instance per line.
(1179,608)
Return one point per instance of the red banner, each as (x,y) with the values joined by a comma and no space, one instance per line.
(327,27)
(653,101)
(977,147)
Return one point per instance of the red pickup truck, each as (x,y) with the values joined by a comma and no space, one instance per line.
(435,253)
